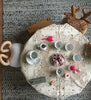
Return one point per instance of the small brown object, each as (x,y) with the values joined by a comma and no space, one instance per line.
(43,23)
(86,53)
(4,59)
(81,24)
(51,83)
(89,44)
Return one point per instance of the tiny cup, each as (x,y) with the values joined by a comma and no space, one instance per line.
(68,47)
(77,57)
(60,72)
(58,44)
(43,46)
(34,55)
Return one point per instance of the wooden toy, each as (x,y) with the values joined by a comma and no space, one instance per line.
(81,24)
(43,23)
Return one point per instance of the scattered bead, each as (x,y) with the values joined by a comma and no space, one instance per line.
(72,68)
(78,70)
(51,83)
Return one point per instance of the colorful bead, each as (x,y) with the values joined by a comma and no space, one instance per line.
(78,70)
(72,68)
(51,83)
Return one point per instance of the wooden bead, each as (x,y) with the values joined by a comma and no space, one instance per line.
(51,83)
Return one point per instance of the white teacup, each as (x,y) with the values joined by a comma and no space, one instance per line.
(58,44)
(60,72)
(69,47)
(77,57)
(33,55)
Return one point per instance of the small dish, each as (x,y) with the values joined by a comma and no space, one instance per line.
(32,57)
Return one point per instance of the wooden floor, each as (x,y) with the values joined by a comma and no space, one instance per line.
(1,22)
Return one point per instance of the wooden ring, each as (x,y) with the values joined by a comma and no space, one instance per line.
(4,44)
(2,61)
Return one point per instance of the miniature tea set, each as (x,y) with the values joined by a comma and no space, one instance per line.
(52,61)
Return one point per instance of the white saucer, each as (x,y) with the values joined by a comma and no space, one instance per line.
(31,61)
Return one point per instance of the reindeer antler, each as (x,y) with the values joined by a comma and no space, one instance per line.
(73,11)
(85,15)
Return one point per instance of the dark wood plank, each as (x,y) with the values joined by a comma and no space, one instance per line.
(43,23)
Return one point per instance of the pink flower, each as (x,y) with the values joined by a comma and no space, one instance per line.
(50,38)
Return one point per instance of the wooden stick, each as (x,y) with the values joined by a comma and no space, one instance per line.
(1,32)
(84,11)
(86,14)
(88,21)
(78,9)
(73,10)
(67,14)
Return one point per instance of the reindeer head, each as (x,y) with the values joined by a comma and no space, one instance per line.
(81,24)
